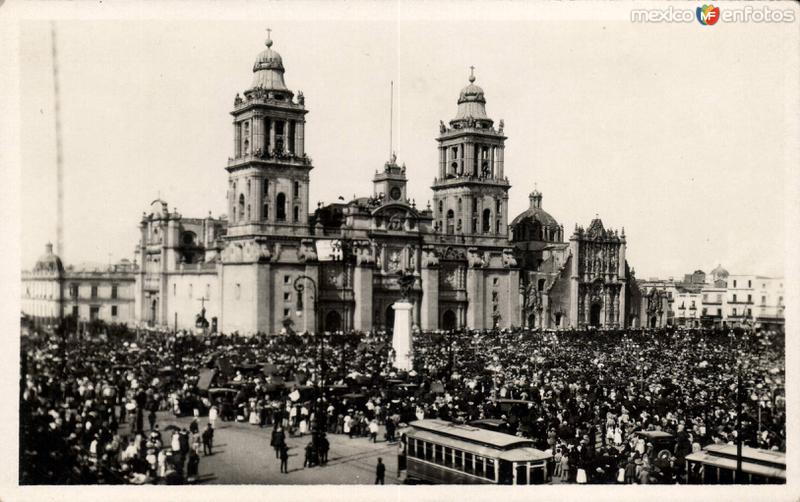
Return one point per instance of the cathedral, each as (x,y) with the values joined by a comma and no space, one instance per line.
(272,263)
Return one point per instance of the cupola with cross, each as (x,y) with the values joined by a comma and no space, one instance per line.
(470,189)
(269,171)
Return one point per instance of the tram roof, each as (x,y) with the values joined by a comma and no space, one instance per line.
(755,461)
(476,435)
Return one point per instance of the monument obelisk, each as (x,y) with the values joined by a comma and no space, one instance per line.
(401,336)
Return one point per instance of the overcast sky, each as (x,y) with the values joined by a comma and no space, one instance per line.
(680,133)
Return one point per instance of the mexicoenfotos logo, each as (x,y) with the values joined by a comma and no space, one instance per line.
(708,15)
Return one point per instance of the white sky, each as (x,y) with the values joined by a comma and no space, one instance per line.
(683,134)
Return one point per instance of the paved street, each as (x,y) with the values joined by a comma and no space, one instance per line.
(242,455)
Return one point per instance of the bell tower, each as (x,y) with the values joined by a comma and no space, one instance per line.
(269,171)
(470,192)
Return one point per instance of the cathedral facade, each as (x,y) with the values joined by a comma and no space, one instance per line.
(271,263)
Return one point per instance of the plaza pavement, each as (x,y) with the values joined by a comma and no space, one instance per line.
(242,455)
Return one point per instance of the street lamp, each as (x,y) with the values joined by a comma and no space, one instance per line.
(298,286)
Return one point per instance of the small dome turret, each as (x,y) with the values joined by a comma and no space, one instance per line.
(268,70)
(471,105)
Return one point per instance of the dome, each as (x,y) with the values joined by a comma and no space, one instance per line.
(268,59)
(536,214)
(471,102)
(268,70)
(49,262)
(719,272)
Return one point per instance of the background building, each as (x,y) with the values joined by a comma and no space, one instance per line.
(88,292)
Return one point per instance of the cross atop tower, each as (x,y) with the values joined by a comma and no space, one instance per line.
(269,37)
(472,74)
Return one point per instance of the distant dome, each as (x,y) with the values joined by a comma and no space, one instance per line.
(49,262)
(535,224)
(268,70)
(719,272)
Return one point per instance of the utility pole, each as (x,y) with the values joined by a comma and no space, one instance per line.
(739,426)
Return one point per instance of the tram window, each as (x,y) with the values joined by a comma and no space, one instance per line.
(478,465)
(489,468)
(410,449)
(468,467)
(725,477)
(459,460)
(709,475)
(438,454)
(428,451)
(522,473)
(420,449)
(448,457)
(536,475)
(756,479)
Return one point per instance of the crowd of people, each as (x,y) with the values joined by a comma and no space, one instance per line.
(582,395)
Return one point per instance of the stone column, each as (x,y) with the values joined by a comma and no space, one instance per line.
(429,309)
(237,139)
(258,200)
(299,138)
(272,136)
(513,314)
(476,301)
(263,300)
(362,294)
(500,162)
(623,317)
(258,133)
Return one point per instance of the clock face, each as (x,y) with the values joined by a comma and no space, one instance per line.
(395,193)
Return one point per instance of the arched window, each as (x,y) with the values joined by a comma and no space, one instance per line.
(450,215)
(487,221)
(296,191)
(241,205)
(459,205)
(280,207)
(296,214)
(266,187)
(441,209)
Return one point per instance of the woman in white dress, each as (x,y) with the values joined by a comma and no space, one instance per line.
(303,427)
(347,424)
(618,436)
(253,413)
(213,413)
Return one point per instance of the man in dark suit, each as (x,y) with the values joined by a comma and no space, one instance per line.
(285,459)
(208,440)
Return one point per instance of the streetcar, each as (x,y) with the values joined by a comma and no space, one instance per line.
(716,464)
(441,452)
